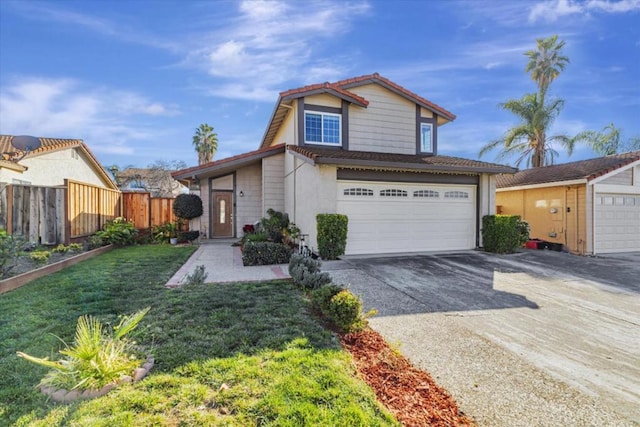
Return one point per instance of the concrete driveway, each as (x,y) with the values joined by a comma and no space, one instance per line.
(535,338)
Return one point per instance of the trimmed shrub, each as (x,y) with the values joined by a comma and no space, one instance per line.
(187,206)
(332,235)
(321,297)
(188,236)
(265,253)
(305,272)
(503,234)
(40,256)
(345,312)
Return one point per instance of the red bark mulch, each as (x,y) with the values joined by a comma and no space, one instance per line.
(409,393)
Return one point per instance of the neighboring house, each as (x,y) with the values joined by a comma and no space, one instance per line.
(56,160)
(158,182)
(590,206)
(364,147)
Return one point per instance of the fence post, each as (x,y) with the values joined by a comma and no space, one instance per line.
(67,220)
(9,209)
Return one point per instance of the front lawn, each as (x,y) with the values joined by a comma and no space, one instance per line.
(236,354)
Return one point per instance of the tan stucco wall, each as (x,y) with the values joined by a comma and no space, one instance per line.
(324,100)
(52,168)
(535,206)
(286,133)
(315,192)
(387,125)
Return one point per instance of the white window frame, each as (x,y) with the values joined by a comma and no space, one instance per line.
(424,149)
(323,114)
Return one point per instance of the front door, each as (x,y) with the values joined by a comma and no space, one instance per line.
(222,213)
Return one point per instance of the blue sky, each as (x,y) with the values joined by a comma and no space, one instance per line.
(133,79)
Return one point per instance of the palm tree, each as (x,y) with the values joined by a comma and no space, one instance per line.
(546,63)
(529,139)
(205,142)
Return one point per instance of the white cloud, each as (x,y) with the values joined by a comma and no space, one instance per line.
(552,10)
(270,43)
(108,120)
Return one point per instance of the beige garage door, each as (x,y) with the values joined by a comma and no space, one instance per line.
(388,217)
(617,223)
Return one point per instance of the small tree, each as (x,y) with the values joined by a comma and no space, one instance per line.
(187,206)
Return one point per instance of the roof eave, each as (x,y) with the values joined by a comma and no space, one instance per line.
(414,166)
(568,182)
(199,172)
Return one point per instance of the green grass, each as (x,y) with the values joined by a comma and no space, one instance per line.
(232,355)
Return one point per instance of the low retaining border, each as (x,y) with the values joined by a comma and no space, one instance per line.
(15,282)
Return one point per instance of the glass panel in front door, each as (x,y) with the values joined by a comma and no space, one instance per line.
(223,218)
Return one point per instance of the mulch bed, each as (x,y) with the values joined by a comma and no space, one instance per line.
(409,393)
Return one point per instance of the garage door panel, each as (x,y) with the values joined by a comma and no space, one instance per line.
(617,223)
(402,217)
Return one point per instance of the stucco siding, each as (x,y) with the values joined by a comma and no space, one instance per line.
(53,168)
(286,132)
(316,189)
(545,209)
(249,206)
(387,125)
(273,183)
(624,177)
(324,100)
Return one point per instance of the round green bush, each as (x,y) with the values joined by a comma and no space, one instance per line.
(187,206)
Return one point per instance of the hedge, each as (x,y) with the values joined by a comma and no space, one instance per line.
(332,235)
(265,253)
(503,233)
(187,206)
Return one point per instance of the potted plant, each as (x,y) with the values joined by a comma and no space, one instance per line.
(173,233)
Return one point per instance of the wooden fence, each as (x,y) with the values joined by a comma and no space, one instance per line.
(146,211)
(53,215)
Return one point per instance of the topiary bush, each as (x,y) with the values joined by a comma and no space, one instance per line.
(305,272)
(345,312)
(187,206)
(503,234)
(332,235)
(265,253)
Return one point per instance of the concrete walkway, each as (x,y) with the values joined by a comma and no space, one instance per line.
(223,264)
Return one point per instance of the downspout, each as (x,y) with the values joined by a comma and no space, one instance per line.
(295,135)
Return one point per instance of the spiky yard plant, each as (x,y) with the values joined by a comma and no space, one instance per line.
(97,356)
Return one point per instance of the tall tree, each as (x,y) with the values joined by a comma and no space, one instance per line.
(205,142)
(545,63)
(528,140)
(608,141)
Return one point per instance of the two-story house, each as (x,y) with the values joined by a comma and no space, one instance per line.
(364,147)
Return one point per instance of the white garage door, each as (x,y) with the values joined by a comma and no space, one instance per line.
(617,223)
(387,217)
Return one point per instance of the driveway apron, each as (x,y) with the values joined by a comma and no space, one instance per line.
(535,338)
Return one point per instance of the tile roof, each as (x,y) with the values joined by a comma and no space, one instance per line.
(48,144)
(377,78)
(324,87)
(399,161)
(583,169)
(8,151)
(341,90)
(234,160)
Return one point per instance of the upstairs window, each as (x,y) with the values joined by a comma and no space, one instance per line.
(426,137)
(322,128)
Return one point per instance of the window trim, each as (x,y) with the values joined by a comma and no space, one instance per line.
(322,114)
(433,121)
(422,145)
